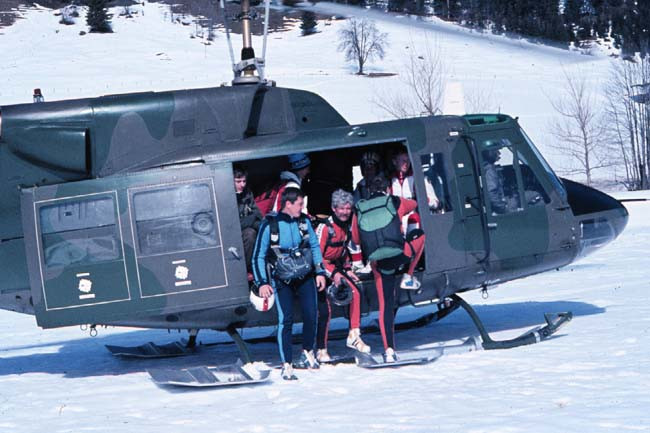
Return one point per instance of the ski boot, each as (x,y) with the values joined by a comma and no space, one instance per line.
(355,342)
(322,356)
(307,360)
(287,372)
(389,355)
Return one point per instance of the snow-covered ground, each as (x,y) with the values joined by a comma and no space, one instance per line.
(595,377)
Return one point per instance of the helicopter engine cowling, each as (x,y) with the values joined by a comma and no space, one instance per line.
(66,148)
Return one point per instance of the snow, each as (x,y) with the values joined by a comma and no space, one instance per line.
(593,377)
(148,52)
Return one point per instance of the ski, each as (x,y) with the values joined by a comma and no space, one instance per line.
(342,359)
(203,377)
(415,357)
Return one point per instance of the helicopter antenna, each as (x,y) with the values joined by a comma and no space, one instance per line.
(225,24)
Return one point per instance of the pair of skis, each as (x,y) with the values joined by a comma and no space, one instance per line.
(247,374)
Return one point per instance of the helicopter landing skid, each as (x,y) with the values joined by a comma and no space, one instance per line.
(553,323)
(151,350)
(241,344)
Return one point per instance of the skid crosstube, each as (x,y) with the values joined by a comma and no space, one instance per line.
(553,322)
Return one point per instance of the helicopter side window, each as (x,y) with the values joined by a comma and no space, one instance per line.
(534,194)
(499,176)
(177,218)
(80,232)
(435,183)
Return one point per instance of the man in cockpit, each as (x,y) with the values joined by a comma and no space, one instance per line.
(494,180)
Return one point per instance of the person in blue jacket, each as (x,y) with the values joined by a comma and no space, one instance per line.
(285,258)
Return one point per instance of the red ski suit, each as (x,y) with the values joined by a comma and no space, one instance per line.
(335,246)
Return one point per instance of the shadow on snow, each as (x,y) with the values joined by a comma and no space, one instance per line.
(87,357)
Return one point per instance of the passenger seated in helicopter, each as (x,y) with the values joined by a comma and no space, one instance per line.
(298,173)
(250,216)
(370,167)
(402,185)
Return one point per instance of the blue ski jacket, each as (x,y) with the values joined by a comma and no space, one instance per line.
(290,237)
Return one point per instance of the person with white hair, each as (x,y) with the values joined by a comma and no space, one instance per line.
(336,246)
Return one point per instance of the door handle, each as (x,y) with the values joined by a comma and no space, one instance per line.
(234,252)
(492,226)
(469,204)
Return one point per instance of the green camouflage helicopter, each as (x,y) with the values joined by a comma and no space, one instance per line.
(121,210)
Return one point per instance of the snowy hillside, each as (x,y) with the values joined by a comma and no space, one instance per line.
(593,377)
(149,52)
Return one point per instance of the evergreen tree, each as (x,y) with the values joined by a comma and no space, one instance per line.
(643,9)
(98,19)
(572,15)
(308,23)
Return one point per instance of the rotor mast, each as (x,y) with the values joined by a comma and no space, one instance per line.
(250,70)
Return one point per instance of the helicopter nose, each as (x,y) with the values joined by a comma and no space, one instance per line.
(600,218)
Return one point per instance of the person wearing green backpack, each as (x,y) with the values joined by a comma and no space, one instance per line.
(377,227)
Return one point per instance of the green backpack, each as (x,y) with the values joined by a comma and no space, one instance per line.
(379,228)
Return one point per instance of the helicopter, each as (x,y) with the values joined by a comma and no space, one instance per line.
(121,210)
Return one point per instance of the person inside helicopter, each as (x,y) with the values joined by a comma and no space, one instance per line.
(500,180)
(370,167)
(296,177)
(250,216)
(402,184)
(299,170)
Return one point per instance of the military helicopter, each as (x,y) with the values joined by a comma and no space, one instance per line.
(121,209)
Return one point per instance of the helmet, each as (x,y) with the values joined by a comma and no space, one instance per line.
(339,295)
(298,161)
(262,304)
(370,158)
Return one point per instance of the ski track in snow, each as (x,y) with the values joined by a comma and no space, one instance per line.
(593,377)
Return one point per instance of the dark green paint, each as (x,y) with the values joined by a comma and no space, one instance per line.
(113,144)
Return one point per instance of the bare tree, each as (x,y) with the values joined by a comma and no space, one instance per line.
(423,74)
(480,98)
(361,42)
(628,94)
(580,129)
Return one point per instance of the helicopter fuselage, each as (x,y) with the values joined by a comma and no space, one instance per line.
(121,210)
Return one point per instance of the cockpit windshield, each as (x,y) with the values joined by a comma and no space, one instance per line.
(557,183)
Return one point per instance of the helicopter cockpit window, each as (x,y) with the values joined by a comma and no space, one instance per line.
(178,218)
(533,191)
(557,183)
(80,232)
(499,176)
(435,183)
